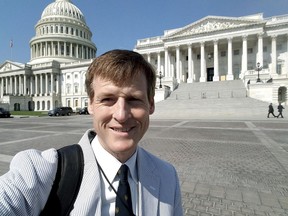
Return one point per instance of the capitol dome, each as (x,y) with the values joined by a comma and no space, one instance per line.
(63,8)
(62,35)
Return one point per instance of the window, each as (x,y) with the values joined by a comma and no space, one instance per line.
(236,52)
(279,47)
(279,69)
(265,49)
(250,50)
(223,53)
(198,57)
(68,88)
(76,103)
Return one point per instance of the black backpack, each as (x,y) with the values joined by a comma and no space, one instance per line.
(67,181)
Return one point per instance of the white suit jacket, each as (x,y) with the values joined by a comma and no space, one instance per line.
(24,190)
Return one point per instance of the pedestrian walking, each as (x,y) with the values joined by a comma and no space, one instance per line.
(270,110)
(280,109)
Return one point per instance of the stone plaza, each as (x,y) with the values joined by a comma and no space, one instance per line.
(226,166)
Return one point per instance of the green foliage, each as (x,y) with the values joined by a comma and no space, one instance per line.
(28,113)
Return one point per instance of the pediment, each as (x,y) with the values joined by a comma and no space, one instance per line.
(212,24)
(10,66)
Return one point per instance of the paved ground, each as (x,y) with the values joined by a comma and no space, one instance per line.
(226,167)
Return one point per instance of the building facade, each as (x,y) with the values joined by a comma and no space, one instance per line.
(251,48)
(61,52)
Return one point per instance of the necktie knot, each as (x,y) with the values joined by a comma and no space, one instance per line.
(123,173)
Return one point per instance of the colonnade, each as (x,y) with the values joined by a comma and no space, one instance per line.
(175,66)
(43,84)
(59,48)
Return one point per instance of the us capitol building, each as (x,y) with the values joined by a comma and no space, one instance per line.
(252,48)
(61,52)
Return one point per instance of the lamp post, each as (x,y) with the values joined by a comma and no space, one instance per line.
(160,77)
(258,69)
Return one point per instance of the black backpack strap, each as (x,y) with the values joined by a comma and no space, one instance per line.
(67,182)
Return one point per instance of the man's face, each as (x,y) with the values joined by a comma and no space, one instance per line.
(120,115)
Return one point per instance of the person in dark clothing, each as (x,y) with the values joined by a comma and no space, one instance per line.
(270,110)
(280,109)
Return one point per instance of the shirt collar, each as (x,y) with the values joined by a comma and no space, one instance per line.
(114,165)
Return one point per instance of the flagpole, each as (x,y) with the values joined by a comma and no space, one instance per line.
(11,47)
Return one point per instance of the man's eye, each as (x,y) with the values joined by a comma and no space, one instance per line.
(107,101)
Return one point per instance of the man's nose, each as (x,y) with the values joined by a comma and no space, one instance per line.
(122,110)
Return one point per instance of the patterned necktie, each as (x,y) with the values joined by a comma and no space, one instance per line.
(123,198)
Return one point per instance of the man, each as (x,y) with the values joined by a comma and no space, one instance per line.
(280,109)
(270,110)
(121,86)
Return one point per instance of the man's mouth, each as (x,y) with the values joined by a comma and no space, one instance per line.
(121,129)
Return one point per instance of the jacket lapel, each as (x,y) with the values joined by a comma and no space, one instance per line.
(149,184)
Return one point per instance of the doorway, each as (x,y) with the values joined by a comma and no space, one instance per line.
(282,91)
(210,74)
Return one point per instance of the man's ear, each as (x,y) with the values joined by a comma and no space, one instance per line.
(152,106)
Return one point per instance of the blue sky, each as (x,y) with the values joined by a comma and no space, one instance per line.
(119,23)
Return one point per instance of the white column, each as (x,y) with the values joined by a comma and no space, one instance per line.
(190,65)
(46,84)
(53,48)
(274,54)
(260,49)
(31,52)
(20,85)
(52,83)
(178,64)
(36,84)
(149,57)
(230,69)
(41,84)
(1,87)
(71,49)
(15,85)
(6,87)
(82,52)
(46,48)
(216,63)
(32,87)
(203,63)
(166,72)
(25,84)
(77,51)
(158,62)
(65,48)
(57,83)
(244,55)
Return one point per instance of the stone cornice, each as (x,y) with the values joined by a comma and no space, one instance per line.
(212,24)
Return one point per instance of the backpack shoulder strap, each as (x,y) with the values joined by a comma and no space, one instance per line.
(67,182)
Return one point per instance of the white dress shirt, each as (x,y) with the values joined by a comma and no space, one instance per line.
(110,165)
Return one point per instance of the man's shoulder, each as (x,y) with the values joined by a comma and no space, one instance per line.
(35,162)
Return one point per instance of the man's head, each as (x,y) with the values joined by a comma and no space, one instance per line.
(121,86)
(120,66)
